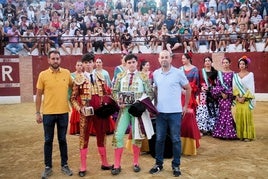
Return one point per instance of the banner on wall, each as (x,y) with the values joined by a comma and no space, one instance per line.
(10,78)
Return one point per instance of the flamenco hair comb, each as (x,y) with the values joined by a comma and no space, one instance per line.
(245,58)
(190,54)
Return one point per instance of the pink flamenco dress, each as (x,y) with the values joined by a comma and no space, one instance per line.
(190,134)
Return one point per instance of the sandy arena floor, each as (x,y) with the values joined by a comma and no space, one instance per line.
(21,152)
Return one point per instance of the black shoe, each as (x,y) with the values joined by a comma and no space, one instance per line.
(176,171)
(115,171)
(109,167)
(136,168)
(82,173)
(47,172)
(66,170)
(156,169)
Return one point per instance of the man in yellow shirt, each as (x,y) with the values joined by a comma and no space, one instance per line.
(53,84)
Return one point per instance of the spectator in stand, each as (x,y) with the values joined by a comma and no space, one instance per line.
(213,40)
(233,33)
(116,40)
(220,19)
(99,4)
(11,20)
(110,4)
(169,22)
(264,6)
(195,38)
(107,41)
(187,41)
(198,21)
(23,24)
(42,43)
(223,38)
(207,23)
(79,6)
(252,34)
(212,14)
(31,14)
(232,19)
(131,28)
(230,8)
(98,40)
(212,3)
(57,6)
(14,46)
(10,11)
(243,18)
(195,8)
(256,19)
(89,38)
(29,40)
(187,23)
(186,6)
(55,20)
(43,18)
(242,37)
(173,40)
(48,5)
(137,40)
(203,38)
(202,8)
(263,26)
(6,27)
(89,16)
(126,42)
(222,8)
(121,27)
(53,37)
(1,12)
(67,42)
(152,38)
(78,42)
(118,20)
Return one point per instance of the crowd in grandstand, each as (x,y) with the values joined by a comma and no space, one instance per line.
(115,26)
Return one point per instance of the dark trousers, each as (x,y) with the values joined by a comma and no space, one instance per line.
(49,122)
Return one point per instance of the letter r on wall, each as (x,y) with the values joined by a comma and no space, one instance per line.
(6,71)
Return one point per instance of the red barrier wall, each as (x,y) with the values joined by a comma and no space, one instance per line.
(259,64)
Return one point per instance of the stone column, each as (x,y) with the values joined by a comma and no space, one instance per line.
(26,79)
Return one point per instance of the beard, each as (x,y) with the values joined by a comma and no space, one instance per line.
(55,66)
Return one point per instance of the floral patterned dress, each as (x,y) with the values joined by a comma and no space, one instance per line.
(225,125)
(207,110)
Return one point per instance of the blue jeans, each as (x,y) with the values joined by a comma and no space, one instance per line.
(49,121)
(163,121)
(14,48)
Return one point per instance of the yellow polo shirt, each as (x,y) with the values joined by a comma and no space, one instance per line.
(55,87)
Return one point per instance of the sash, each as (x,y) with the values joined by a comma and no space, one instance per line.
(205,76)
(221,80)
(242,90)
